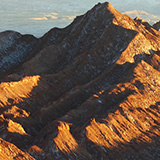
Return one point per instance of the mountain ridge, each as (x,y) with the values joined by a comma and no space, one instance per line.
(88,91)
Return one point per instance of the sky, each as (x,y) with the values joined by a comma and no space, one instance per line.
(38,16)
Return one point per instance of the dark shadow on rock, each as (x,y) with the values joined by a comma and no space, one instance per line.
(68,85)
(41,115)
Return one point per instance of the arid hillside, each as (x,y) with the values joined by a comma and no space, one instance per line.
(89,91)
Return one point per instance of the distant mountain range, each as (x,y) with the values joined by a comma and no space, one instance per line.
(89,91)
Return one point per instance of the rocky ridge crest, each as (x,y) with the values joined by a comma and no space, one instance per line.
(88,91)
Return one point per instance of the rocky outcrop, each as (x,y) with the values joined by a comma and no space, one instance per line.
(142,21)
(89,91)
(9,151)
(15,49)
(157,26)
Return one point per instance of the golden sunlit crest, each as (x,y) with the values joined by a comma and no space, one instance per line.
(64,140)
(88,91)
(17,91)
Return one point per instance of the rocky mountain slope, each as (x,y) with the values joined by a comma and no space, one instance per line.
(88,91)
(15,49)
(157,26)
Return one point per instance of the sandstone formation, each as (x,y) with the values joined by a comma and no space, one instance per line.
(88,91)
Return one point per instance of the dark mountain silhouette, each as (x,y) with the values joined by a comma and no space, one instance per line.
(88,91)
(157,26)
(15,49)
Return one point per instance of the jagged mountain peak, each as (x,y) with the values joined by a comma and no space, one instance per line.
(101,20)
(101,28)
(88,91)
(106,6)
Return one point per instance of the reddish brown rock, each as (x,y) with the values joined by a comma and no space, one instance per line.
(9,151)
(91,91)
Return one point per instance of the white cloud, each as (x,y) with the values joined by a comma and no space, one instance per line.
(71,17)
(39,18)
(136,12)
(54,17)
(46,17)
(68,17)
(54,13)
(151,18)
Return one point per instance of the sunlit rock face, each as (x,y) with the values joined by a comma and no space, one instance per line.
(89,91)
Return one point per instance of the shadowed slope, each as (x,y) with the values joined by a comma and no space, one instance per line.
(157,26)
(91,91)
(15,49)
(133,119)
